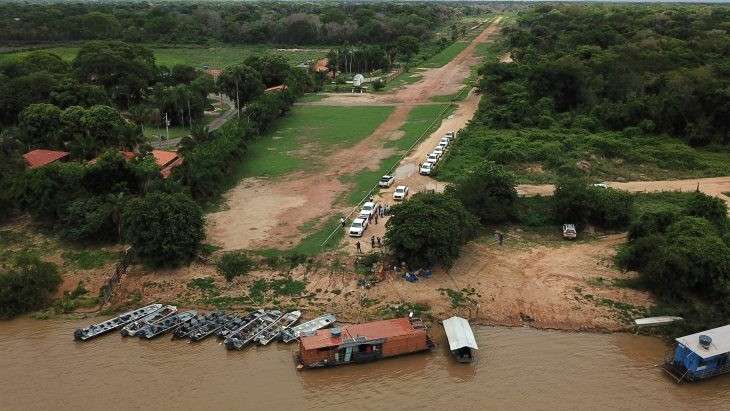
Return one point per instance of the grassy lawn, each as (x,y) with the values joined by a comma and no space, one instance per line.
(422,121)
(216,56)
(153,134)
(405,78)
(446,55)
(301,140)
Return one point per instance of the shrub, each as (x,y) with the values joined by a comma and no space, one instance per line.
(488,192)
(164,229)
(235,264)
(578,202)
(27,285)
(378,85)
(429,229)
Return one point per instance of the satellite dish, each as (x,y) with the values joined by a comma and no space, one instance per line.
(357,80)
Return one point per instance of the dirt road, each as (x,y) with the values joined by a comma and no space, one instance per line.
(714,186)
(267,213)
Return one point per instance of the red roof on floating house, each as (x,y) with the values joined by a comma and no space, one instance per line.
(372,331)
(39,158)
(280,87)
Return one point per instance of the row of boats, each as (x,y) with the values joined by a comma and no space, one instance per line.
(237,332)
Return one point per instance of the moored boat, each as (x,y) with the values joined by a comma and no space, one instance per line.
(360,343)
(134,327)
(95,330)
(184,330)
(462,343)
(211,327)
(167,324)
(274,332)
(237,324)
(308,327)
(242,337)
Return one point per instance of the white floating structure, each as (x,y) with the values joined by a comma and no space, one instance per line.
(462,343)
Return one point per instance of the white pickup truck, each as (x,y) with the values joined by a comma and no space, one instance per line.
(425,169)
(358,227)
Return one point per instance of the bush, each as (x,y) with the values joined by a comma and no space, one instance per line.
(575,201)
(378,84)
(429,229)
(488,192)
(164,229)
(235,264)
(27,285)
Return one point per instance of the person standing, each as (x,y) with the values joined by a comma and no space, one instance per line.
(342,221)
(372,242)
(380,244)
(357,245)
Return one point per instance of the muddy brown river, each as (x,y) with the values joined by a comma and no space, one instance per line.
(41,367)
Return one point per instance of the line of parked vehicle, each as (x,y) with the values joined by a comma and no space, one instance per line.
(427,167)
(371,208)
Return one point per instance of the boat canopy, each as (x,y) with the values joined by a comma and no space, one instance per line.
(720,342)
(657,320)
(459,333)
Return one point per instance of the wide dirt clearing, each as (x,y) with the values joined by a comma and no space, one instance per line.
(267,213)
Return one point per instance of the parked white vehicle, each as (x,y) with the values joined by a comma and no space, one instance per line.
(386,181)
(439,151)
(450,134)
(600,185)
(400,193)
(358,227)
(444,141)
(569,231)
(432,158)
(425,169)
(369,209)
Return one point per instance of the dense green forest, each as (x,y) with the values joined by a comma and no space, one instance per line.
(231,22)
(613,92)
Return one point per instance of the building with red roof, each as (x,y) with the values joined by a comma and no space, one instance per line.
(166,160)
(275,89)
(40,158)
(363,342)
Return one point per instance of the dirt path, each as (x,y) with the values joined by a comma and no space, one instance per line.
(563,285)
(714,186)
(268,213)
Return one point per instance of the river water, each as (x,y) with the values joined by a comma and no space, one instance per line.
(41,367)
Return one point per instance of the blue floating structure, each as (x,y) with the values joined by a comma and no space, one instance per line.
(701,355)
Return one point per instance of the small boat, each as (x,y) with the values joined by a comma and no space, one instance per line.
(461,339)
(237,323)
(166,324)
(192,324)
(307,328)
(652,321)
(274,332)
(134,327)
(238,339)
(208,329)
(95,330)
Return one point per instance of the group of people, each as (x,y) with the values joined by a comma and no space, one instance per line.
(373,242)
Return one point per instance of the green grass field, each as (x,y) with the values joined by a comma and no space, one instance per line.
(216,56)
(446,55)
(422,120)
(302,139)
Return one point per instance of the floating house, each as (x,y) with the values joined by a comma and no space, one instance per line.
(462,343)
(701,355)
(366,342)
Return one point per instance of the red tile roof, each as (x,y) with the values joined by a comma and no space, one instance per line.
(164,158)
(371,331)
(39,158)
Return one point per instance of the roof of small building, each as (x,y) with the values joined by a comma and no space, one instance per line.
(371,331)
(164,158)
(40,157)
(720,342)
(459,333)
(280,87)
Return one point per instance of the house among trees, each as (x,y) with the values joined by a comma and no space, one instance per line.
(39,158)
(166,160)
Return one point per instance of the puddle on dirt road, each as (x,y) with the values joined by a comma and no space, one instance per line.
(42,368)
